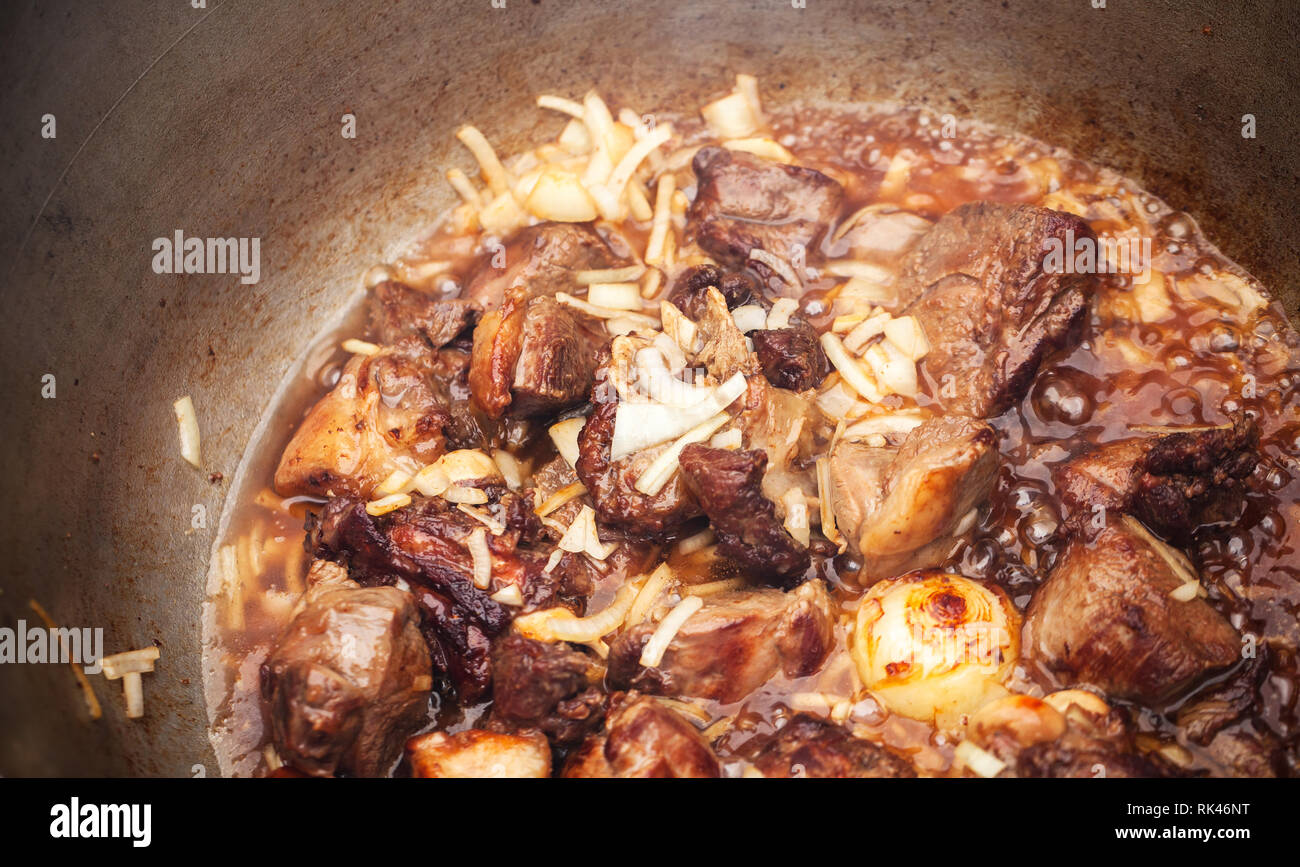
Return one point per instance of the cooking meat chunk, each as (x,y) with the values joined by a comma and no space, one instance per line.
(902,508)
(399,311)
(535,358)
(737,287)
(474,753)
(978,284)
(729,488)
(426,545)
(348,680)
(746,202)
(1105,617)
(810,747)
(1093,746)
(547,687)
(1173,482)
(644,739)
(538,260)
(791,358)
(733,644)
(793,431)
(612,484)
(723,350)
(383,414)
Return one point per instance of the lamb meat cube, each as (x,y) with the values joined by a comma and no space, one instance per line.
(729,488)
(979,285)
(1173,482)
(348,680)
(644,739)
(814,748)
(547,687)
(745,202)
(1105,617)
(732,645)
(902,508)
(474,753)
(398,311)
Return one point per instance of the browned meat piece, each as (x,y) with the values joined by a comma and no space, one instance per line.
(546,687)
(424,544)
(348,680)
(644,739)
(612,484)
(729,488)
(902,508)
(1242,752)
(535,359)
(399,311)
(1105,617)
(1072,733)
(793,431)
(977,284)
(723,350)
(736,287)
(733,645)
(538,260)
(383,414)
(1090,753)
(791,357)
(746,202)
(810,747)
(1174,482)
(474,753)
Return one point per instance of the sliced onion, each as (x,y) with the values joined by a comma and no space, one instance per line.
(851,373)
(750,317)
(188,423)
(864,271)
(731,117)
(559,195)
(653,651)
(478,550)
(658,381)
(906,333)
(782,309)
(565,436)
(615,296)
(640,426)
(608,275)
(760,147)
(664,465)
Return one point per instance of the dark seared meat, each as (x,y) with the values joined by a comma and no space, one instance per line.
(425,545)
(1174,483)
(810,747)
(1088,755)
(1219,718)
(348,680)
(612,483)
(900,508)
(733,645)
(1070,740)
(644,739)
(737,287)
(384,408)
(398,311)
(791,357)
(1105,617)
(746,202)
(546,687)
(729,487)
(535,359)
(976,283)
(538,260)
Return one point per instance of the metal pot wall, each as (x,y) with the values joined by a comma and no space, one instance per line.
(226,121)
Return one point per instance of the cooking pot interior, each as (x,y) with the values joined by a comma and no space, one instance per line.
(226,122)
